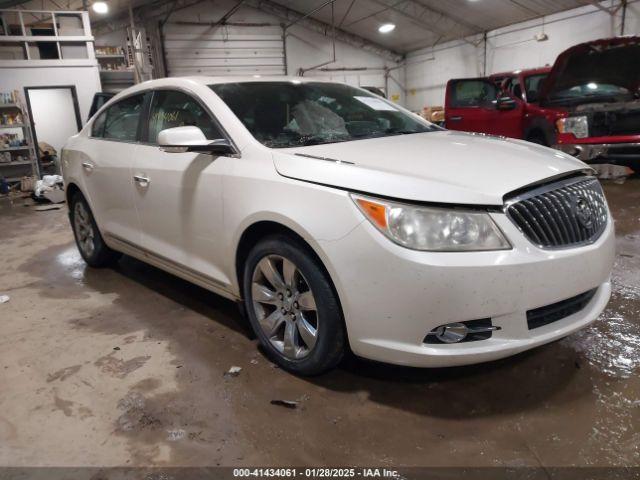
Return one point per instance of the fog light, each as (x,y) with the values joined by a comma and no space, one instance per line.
(469,331)
(451,333)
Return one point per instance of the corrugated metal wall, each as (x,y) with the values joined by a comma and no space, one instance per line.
(238,50)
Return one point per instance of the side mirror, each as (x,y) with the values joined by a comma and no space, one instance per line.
(505,103)
(191,139)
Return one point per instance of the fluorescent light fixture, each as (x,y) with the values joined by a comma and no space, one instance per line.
(386,28)
(100,7)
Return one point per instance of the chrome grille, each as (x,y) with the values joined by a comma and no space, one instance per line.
(563,214)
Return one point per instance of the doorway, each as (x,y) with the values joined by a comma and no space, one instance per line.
(54,116)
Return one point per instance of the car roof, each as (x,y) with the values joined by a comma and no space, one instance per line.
(524,72)
(193,81)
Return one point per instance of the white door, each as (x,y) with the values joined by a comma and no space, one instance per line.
(107,168)
(54,115)
(179,202)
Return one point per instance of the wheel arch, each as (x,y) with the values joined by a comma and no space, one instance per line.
(260,229)
(70,190)
(543,128)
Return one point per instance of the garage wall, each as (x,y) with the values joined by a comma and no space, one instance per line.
(85,79)
(193,49)
(509,48)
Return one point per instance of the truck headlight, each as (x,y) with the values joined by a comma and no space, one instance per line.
(579,126)
(433,229)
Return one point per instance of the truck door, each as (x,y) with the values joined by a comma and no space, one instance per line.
(478,105)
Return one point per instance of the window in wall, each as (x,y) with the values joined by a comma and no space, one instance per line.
(122,119)
(171,109)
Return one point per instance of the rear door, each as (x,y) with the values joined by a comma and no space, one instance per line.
(106,169)
(472,106)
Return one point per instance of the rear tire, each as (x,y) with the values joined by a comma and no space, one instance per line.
(88,239)
(292,306)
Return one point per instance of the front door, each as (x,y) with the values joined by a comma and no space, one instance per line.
(472,106)
(179,195)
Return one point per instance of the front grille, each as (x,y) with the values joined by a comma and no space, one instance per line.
(602,124)
(542,316)
(563,214)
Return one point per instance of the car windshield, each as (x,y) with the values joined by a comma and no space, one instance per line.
(591,90)
(286,114)
(532,85)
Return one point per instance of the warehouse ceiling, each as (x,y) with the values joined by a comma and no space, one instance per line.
(418,23)
(421,23)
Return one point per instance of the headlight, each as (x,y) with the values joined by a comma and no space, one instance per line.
(434,229)
(579,126)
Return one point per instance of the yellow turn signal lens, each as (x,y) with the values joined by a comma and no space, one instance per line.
(376,212)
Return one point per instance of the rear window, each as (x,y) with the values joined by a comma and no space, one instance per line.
(97,128)
(473,93)
(123,118)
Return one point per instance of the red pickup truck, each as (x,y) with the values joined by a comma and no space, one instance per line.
(587,104)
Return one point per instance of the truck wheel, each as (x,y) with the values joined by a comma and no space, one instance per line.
(538,138)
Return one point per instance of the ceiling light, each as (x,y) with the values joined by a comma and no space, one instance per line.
(100,7)
(386,28)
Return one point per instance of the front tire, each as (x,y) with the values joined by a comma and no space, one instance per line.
(88,239)
(292,306)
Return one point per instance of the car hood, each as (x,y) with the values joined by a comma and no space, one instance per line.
(439,167)
(613,61)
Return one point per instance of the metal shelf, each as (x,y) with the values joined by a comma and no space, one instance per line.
(14,149)
(16,125)
(9,105)
(11,164)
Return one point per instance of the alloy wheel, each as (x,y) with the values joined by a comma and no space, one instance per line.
(285,306)
(84,229)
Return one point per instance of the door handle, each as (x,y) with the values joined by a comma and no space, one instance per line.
(88,166)
(456,118)
(142,180)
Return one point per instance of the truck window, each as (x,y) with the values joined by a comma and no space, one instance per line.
(532,85)
(473,93)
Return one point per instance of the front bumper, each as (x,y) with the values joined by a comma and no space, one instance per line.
(626,154)
(392,296)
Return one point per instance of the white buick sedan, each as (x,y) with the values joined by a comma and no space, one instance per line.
(341,220)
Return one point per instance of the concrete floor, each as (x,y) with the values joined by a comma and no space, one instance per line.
(125,367)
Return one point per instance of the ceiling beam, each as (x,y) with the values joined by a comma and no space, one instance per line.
(155,11)
(290,16)
(6,4)
(449,16)
(414,17)
(600,7)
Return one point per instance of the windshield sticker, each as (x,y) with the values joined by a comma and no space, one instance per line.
(376,104)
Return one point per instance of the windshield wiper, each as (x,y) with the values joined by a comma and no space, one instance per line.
(306,140)
(400,131)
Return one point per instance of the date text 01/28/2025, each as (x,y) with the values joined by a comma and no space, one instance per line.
(315,472)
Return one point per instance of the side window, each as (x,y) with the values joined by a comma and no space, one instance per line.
(171,109)
(122,119)
(97,128)
(473,93)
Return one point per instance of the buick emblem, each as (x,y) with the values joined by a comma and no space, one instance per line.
(583,212)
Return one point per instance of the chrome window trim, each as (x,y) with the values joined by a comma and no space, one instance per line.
(187,92)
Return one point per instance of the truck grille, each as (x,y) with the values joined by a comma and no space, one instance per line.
(563,214)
